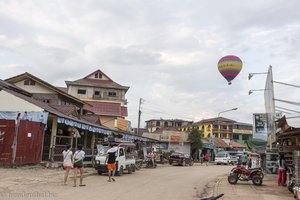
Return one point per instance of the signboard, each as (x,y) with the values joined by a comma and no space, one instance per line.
(175,138)
(260,132)
(122,124)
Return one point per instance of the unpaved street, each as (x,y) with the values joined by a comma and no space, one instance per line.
(165,182)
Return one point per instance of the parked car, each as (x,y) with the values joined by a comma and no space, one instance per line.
(181,159)
(223,157)
(234,157)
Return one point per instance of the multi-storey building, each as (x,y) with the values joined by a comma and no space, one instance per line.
(155,124)
(242,132)
(105,97)
(223,128)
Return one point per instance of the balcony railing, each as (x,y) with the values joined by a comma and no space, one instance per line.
(222,130)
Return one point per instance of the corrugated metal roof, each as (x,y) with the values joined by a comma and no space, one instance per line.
(12,90)
(218,142)
(106,108)
(216,119)
(97,82)
(236,145)
(26,75)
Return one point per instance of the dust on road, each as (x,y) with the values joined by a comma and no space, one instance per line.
(165,182)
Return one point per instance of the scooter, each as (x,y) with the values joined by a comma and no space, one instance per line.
(149,162)
(243,174)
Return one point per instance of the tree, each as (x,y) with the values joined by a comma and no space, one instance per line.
(194,137)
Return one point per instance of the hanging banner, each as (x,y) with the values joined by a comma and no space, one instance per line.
(41,117)
(260,131)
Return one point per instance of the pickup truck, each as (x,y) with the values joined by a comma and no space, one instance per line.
(124,160)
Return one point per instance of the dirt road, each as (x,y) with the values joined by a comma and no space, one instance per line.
(165,182)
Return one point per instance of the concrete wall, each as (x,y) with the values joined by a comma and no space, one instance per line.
(9,102)
(73,90)
(37,88)
(180,147)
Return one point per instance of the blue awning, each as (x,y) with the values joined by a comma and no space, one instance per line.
(83,126)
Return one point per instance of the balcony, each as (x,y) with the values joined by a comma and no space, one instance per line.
(215,130)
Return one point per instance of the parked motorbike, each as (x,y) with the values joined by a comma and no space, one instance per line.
(243,174)
(213,197)
(138,164)
(149,162)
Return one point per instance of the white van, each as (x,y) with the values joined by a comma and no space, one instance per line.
(124,161)
(223,157)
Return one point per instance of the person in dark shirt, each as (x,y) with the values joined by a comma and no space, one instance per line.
(111,162)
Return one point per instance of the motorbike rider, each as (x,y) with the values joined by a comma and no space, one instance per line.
(151,154)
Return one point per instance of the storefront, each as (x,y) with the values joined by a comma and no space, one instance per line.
(288,144)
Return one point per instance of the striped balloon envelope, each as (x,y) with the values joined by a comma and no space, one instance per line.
(230,66)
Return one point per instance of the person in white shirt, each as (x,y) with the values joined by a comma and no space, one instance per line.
(67,162)
(78,164)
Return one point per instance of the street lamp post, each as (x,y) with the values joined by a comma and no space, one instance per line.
(227,111)
(251,91)
(251,74)
(219,129)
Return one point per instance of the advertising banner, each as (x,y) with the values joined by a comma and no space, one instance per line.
(260,132)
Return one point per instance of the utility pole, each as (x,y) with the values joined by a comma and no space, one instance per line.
(139,119)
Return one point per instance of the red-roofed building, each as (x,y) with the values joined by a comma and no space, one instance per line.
(105,98)
(237,146)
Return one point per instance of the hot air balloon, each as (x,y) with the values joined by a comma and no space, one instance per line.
(230,66)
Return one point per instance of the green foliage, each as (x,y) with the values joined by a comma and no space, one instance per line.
(195,138)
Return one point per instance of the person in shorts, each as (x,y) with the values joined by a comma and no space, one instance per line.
(111,162)
(67,162)
(78,165)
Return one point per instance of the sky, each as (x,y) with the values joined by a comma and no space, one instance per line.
(165,51)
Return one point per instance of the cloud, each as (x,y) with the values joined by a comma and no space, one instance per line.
(166,51)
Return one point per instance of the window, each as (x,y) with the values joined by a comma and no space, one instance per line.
(245,137)
(29,82)
(98,75)
(112,94)
(81,91)
(235,136)
(157,123)
(208,128)
(121,153)
(166,124)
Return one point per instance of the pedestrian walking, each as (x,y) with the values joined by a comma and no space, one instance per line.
(206,158)
(201,158)
(281,171)
(111,162)
(67,162)
(78,165)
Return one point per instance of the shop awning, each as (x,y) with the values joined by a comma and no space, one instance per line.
(137,137)
(83,125)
